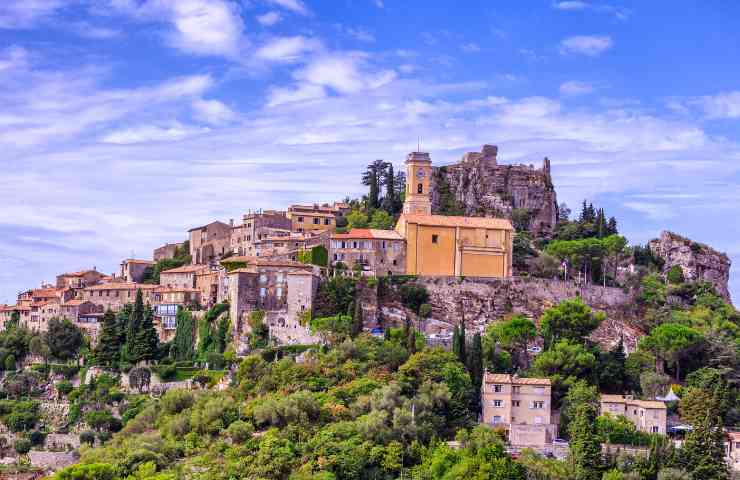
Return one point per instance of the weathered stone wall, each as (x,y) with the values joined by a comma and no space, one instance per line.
(481,301)
(482,187)
(698,261)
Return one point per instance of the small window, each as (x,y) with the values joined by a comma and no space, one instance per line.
(316,221)
(538,404)
(654,429)
(263,292)
(498,388)
(300,219)
(497,419)
(435,238)
(420,188)
(498,403)
(327,221)
(515,403)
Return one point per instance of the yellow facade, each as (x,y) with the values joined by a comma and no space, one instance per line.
(303,222)
(438,245)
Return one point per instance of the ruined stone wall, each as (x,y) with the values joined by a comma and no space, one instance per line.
(482,187)
(697,261)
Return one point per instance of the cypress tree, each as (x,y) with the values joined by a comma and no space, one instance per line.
(585,446)
(456,341)
(182,344)
(411,341)
(389,201)
(147,339)
(222,334)
(475,367)
(108,350)
(704,453)
(611,226)
(462,355)
(135,319)
(357,320)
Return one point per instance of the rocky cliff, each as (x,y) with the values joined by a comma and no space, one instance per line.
(698,261)
(479,186)
(482,301)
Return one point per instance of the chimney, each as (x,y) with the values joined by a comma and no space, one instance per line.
(231,222)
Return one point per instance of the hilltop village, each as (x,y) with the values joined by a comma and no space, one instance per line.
(474,297)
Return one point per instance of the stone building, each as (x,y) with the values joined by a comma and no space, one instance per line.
(75,309)
(78,280)
(184,277)
(165,302)
(439,245)
(380,252)
(166,251)
(732,450)
(647,415)
(257,226)
(522,406)
(311,218)
(479,186)
(132,270)
(282,289)
(209,242)
(114,296)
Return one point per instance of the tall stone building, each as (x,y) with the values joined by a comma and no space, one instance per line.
(479,186)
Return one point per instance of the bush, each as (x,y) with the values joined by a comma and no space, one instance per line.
(36,437)
(215,361)
(240,431)
(675,275)
(175,401)
(9,363)
(104,436)
(64,387)
(22,446)
(166,372)
(88,437)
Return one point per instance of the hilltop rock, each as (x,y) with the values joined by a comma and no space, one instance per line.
(479,186)
(697,260)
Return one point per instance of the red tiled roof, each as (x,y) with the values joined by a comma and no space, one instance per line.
(513,379)
(186,269)
(122,286)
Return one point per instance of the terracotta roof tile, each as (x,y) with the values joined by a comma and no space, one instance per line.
(368,234)
(122,286)
(186,269)
(513,379)
(627,400)
(448,221)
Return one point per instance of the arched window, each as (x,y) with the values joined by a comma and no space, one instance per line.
(420,188)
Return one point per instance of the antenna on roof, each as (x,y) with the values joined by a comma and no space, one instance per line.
(418,144)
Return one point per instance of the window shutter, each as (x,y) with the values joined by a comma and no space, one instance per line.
(531,404)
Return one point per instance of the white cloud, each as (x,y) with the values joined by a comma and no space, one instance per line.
(301,93)
(26,13)
(88,30)
(471,47)
(578,5)
(722,105)
(343,72)
(150,133)
(379,3)
(571,5)
(576,88)
(287,49)
(200,27)
(589,45)
(295,6)
(13,58)
(213,112)
(269,18)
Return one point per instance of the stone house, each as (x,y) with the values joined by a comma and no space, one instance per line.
(380,252)
(309,218)
(132,270)
(166,302)
(647,415)
(256,226)
(439,245)
(522,406)
(78,280)
(74,309)
(291,243)
(282,289)
(209,242)
(114,296)
(208,283)
(183,277)
(6,314)
(732,450)
(166,251)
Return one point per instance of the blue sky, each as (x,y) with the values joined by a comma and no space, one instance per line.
(125,122)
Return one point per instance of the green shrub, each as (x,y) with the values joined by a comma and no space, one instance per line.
(9,363)
(22,446)
(240,431)
(64,387)
(176,400)
(215,361)
(88,437)
(36,437)
(675,275)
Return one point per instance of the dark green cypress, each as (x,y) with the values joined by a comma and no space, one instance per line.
(147,339)
(108,349)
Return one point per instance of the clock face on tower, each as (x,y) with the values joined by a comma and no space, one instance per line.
(420,174)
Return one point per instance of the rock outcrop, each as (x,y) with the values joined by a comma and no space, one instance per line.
(479,186)
(698,261)
(482,301)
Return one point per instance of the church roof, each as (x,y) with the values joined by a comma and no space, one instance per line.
(450,221)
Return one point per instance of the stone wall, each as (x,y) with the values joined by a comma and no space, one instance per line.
(482,301)
(482,187)
(698,261)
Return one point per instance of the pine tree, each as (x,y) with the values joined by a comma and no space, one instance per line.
(601,227)
(411,341)
(222,334)
(703,452)
(108,349)
(373,178)
(147,340)
(357,320)
(611,226)
(585,446)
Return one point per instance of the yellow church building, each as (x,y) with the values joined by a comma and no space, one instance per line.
(439,245)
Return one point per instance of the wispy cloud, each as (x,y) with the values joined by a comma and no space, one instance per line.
(574,88)
(471,47)
(579,5)
(295,6)
(27,13)
(268,19)
(589,45)
(721,105)
(287,49)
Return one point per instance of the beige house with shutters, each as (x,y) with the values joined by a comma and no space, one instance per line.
(647,415)
(521,406)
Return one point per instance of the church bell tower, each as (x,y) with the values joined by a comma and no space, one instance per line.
(418,180)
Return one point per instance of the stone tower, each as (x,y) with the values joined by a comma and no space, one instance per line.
(418,178)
